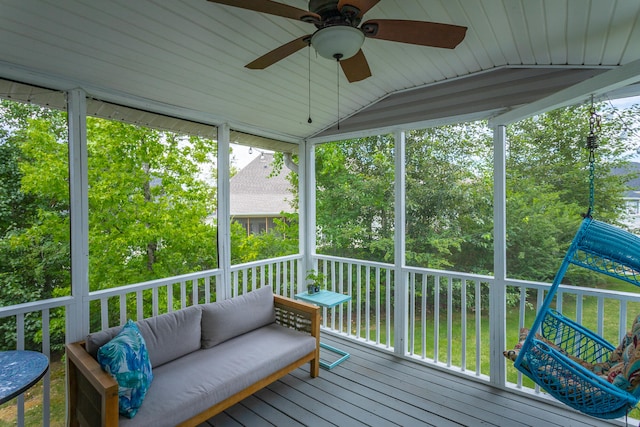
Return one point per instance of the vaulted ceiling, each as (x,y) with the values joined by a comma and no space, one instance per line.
(186,58)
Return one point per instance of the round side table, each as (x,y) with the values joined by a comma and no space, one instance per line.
(20,370)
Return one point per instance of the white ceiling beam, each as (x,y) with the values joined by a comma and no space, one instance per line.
(611,80)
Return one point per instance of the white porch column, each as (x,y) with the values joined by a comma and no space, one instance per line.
(400,324)
(308,215)
(497,291)
(78,313)
(307,209)
(223,289)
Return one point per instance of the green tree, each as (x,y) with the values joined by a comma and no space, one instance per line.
(354,205)
(548,186)
(34,226)
(449,197)
(149,210)
(150,206)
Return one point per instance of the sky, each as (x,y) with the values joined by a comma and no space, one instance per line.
(242,157)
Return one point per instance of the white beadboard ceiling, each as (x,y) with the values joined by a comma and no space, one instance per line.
(187,57)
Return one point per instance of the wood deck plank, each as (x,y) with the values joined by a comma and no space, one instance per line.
(376,388)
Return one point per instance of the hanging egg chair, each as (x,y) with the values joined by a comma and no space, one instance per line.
(570,362)
(558,352)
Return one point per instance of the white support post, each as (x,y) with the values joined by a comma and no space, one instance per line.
(78,313)
(497,290)
(400,323)
(309,225)
(224,214)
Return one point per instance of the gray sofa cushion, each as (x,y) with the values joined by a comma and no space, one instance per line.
(197,381)
(168,336)
(229,318)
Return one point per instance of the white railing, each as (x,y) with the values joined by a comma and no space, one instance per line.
(440,332)
(437,300)
(114,306)
(280,273)
(26,320)
(430,311)
(367,316)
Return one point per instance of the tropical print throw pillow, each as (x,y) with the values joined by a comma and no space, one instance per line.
(126,358)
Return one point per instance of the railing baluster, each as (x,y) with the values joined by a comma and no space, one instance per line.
(389,290)
(412,314)
(207,290)
(449,319)
(358,301)
(463,319)
(350,286)
(436,318)
(46,380)
(478,327)
(154,301)
(104,311)
(183,294)
(195,291)
(600,316)
(245,278)
(423,314)
(377,305)
(622,320)
(139,305)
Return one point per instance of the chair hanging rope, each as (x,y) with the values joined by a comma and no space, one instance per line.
(570,362)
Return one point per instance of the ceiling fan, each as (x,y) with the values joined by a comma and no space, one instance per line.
(340,36)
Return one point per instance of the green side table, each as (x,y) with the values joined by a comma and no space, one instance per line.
(327,299)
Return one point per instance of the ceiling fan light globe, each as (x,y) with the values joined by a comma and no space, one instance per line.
(337,42)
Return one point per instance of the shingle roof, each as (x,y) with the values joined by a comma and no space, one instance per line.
(255,193)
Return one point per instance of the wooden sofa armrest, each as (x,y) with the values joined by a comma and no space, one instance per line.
(93,393)
(300,316)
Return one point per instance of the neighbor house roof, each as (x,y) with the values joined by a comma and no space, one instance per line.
(254,192)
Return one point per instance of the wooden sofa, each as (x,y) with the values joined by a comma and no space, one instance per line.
(213,366)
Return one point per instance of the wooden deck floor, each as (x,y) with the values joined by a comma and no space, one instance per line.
(374,388)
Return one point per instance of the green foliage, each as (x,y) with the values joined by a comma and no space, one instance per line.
(449,198)
(281,241)
(548,187)
(354,205)
(148,208)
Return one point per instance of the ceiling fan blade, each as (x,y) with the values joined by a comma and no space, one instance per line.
(356,68)
(362,5)
(279,53)
(415,32)
(271,7)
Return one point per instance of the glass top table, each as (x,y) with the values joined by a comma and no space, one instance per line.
(20,370)
(327,299)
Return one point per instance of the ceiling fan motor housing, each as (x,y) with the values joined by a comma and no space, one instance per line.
(337,36)
(337,42)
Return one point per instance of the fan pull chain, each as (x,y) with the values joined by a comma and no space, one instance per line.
(338,86)
(309,119)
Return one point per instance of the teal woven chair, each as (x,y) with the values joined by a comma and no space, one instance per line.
(554,362)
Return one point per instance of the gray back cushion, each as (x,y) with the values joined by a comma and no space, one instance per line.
(168,336)
(226,319)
